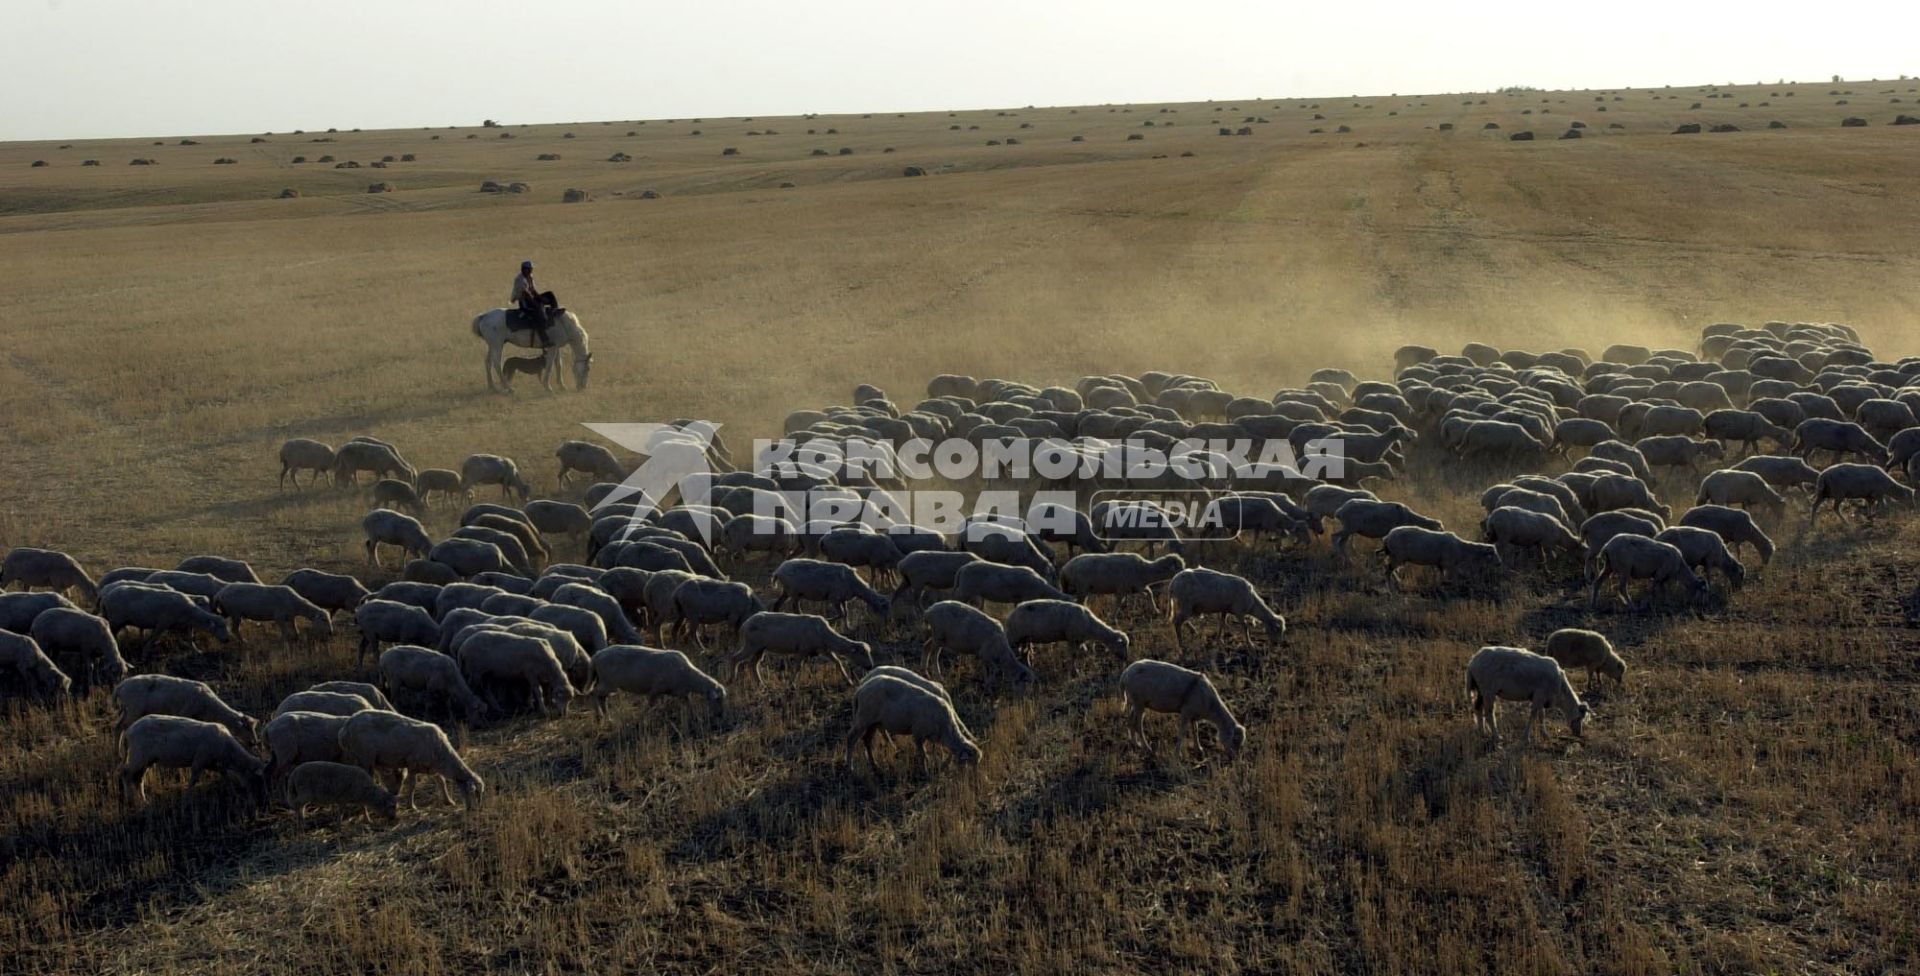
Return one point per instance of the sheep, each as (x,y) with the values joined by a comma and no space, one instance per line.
(158,694)
(160,610)
(1745,427)
(494,654)
(1869,485)
(1622,453)
(1413,545)
(952,624)
(873,550)
(304,454)
(985,582)
(1629,557)
(653,673)
(1781,471)
(1663,419)
(492,469)
(1529,499)
(428,571)
(382,742)
(1734,526)
(1677,451)
(426,596)
(1498,439)
(897,707)
(1882,418)
(511,604)
(386,527)
(439,481)
(279,604)
(1119,574)
(1514,674)
(583,626)
(328,591)
(1581,432)
(360,454)
(1600,529)
(69,630)
(200,585)
(514,553)
(1573,648)
(1060,621)
(1322,501)
(393,493)
(826,582)
(928,570)
(324,702)
(1705,551)
(176,742)
(1150,685)
(49,569)
(23,656)
(512,583)
(1744,488)
(1374,519)
(618,628)
(1616,491)
(419,671)
(1511,527)
(698,601)
(520,529)
(469,557)
(19,610)
(559,518)
(590,458)
(657,596)
(296,737)
(322,783)
(391,622)
(1197,592)
(363,689)
(457,596)
(750,533)
(1839,436)
(804,635)
(1009,545)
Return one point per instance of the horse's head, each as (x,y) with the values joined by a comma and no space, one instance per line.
(582,365)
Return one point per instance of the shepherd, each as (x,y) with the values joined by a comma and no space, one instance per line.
(535,321)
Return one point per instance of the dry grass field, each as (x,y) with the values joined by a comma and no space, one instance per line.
(1746,805)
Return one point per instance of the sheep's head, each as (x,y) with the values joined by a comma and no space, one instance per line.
(1578,719)
(1233,738)
(1614,668)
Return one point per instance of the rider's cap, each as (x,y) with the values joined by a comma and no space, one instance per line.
(526,265)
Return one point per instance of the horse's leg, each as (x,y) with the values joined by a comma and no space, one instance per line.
(550,368)
(493,366)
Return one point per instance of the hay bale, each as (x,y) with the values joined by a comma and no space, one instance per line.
(1521,136)
(1853,122)
(489,186)
(406,157)
(289,194)
(1245,130)
(506,135)
(1905,120)
(256,140)
(649,194)
(818,152)
(547,157)
(37,164)
(786,186)
(1570,134)
(1344,129)
(1187,155)
(89,162)
(1615,125)
(1577,125)
(225,161)
(619,157)
(142,162)
(1078,139)
(833,132)
(1446,127)
(1011,141)
(519,188)
(1491,125)
(575,195)
(1687,129)
(387,159)
(1725,127)
(1135,137)
(326,159)
(844,151)
(995,142)
(567,136)
(887,150)
(729,151)
(376,164)
(380,188)
(349,164)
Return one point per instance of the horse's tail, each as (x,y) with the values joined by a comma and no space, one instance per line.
(476,325)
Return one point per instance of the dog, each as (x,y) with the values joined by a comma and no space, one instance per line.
(530,365)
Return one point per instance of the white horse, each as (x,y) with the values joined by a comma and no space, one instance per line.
(565,330)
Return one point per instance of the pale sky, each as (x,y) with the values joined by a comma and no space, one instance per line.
(94,68)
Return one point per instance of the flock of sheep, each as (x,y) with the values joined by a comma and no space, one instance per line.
(487,622)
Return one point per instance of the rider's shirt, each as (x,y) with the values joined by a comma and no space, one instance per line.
(523,288)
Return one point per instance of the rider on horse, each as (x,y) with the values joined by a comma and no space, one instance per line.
(533,303)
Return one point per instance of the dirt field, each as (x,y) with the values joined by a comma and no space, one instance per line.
(1746,805)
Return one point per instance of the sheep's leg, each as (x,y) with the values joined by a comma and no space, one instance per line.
(1136,728)
(930,658)
(445,794)
(842,665)
(1533,719)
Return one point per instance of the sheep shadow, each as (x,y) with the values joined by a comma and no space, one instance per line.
(771,816)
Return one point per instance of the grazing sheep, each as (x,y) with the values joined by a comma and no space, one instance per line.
(1781,471)
(324,702)
(1415,546)
(1573,648)
(456,596)
(23,656)
(1623,453)
(652,674)
(275,604)
(1839,436)
(1119,574)
(889,704)
(825,582)
(199,585)
(799,634)
(519,529)
(928,570)
(1514,496)
(366,454)
(1196,592)
(1865,483)
(382,742)
(590,458)
(1322,501)
(1512,527)
(428,571)
(1744,427)
(493,655)
(328,591)
(159,610)
(657,590)
(18,610)
(439,481)
(1060,621)
(1513,674)
(303,454)
(422,672)
(952,624)
(391,622)
(1626,558)
(1600,529)
(985,582)
(492,469)
(698,601)
(515,554)
(387,527)
(873,550)
(750,533)
(426,596)
(1149,685)
(1616,491)
(69,630)
(559,518)
(159,694)
(512,583)
(1678,451)
(1498,439)
(619,629)
(470,557)
(1582,432)
(393,493)
(1734,526)
(1730,487)
(175,742)
(1705,551)
(1374,519)
(332,784)
(361,688)
(46,569)
(296,737)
